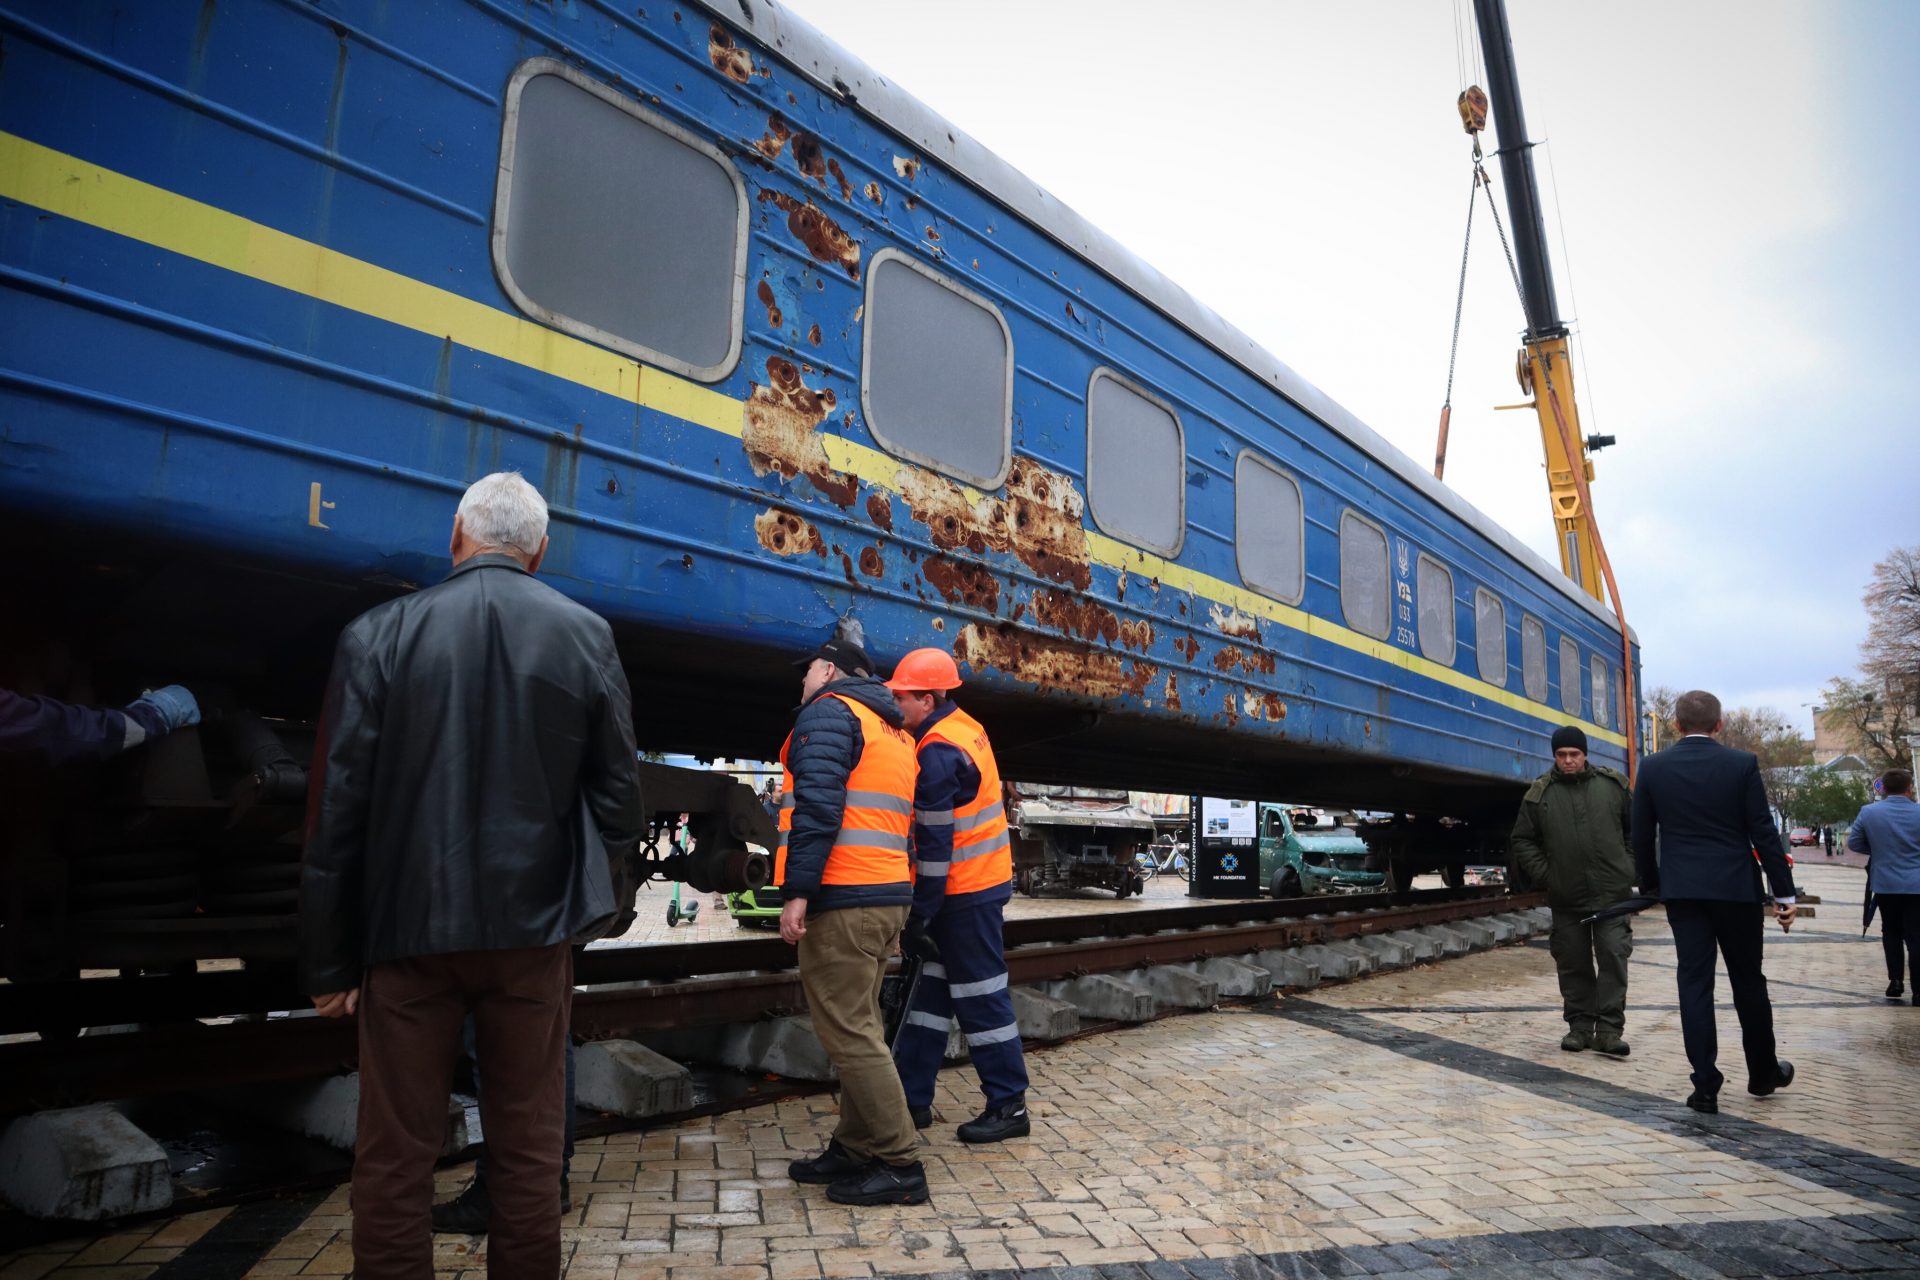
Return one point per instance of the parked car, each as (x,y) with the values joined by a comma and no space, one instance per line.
(1803,836)
(1297,861)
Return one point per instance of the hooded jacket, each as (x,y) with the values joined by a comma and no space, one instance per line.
(827,742)
(1573,838)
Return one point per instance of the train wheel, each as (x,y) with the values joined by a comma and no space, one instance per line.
(1454,875)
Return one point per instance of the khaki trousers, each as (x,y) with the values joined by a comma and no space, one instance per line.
(411,1013)
(1592,963)
(843,956)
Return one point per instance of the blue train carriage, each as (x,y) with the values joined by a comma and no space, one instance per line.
(778,345)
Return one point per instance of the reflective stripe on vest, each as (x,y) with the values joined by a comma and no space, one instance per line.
(876,825)
(982,847)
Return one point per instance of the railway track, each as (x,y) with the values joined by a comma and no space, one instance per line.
(202,1037)
(241,1027)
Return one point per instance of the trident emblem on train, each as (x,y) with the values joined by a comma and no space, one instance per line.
(1400,548)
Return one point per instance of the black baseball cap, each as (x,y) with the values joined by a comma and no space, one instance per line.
(845,649)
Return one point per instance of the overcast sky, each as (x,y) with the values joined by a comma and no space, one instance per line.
(1739,187)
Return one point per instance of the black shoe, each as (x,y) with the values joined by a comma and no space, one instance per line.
(1896,989)
(830,1166)
(468,1214)
(1707,1104)
(922,1116)
(882,1183)
(997,1124)
(1782,1077)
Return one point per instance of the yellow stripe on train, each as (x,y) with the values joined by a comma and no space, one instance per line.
(73,188)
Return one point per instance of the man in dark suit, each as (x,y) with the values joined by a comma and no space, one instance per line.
(1707,808)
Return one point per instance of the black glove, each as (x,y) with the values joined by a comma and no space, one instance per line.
(916,941)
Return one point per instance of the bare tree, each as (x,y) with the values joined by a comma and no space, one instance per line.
(1659,702)
(1874,720)
(1890,657)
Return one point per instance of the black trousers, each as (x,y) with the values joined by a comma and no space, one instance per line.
(1734,928)
(1900,931)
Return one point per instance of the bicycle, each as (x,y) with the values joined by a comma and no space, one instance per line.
(1156,858)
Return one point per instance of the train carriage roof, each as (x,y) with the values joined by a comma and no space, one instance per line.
(839,73)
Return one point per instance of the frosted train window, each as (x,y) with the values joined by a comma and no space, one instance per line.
(1602,704)
(936,372)
(1136,464)
(1490,636)
(1269,531)
(1569,677)
(618,226)
(1433,588)
(1533,657)
(1364,577)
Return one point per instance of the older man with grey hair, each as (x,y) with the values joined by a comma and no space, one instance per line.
(478,773)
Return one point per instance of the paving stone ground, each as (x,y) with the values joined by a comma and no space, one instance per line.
(1415,1124)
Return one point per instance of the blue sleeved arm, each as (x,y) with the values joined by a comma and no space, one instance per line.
(1857,839)
(826,743)
(61,733)
(947,779)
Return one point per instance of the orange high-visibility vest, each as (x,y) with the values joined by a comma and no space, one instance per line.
(876,827)
(982,851)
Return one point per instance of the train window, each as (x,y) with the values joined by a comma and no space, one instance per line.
(936,373)
(1602,704)
(1533,657)
(618,226)
(1434,586)
(1136,464)
(1569,676)
(1490,636)
(1364,575)
(1269,529)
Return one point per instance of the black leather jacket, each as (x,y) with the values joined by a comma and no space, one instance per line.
(479,773)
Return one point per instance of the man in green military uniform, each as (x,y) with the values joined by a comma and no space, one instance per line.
(1572,839)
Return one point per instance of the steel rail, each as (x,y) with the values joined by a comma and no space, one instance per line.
(197,1056)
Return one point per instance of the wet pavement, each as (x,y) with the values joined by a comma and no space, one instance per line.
(1416,1123)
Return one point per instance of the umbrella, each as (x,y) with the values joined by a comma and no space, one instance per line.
(1866,912)
(1626,908)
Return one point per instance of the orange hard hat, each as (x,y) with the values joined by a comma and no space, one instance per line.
(925,669)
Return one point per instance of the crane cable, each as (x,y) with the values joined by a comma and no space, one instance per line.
(1459,303)
(1572,449)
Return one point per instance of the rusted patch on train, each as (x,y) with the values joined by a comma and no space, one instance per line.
(809,158)
(728,58)
(846,562)
(822,236)
(813,336)
(774,140)
(1137,634)
(880,510)
(840,176)
(1038,520)
(1232,622)
(1088,619)
(1172,692)
(872,192)
(1188,646)
(1230,657)
(1066,665)
(765,293)
(871,562)
(907,167)
(963,583)
(781,433)
(1264,706)
(786,534)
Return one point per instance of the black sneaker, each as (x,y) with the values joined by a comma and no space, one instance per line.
(882,1183)
(997,1124)
(468,1214)
(830,1166)
(922,1116)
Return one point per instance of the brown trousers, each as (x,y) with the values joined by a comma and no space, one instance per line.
(410,1016)
(843,957)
